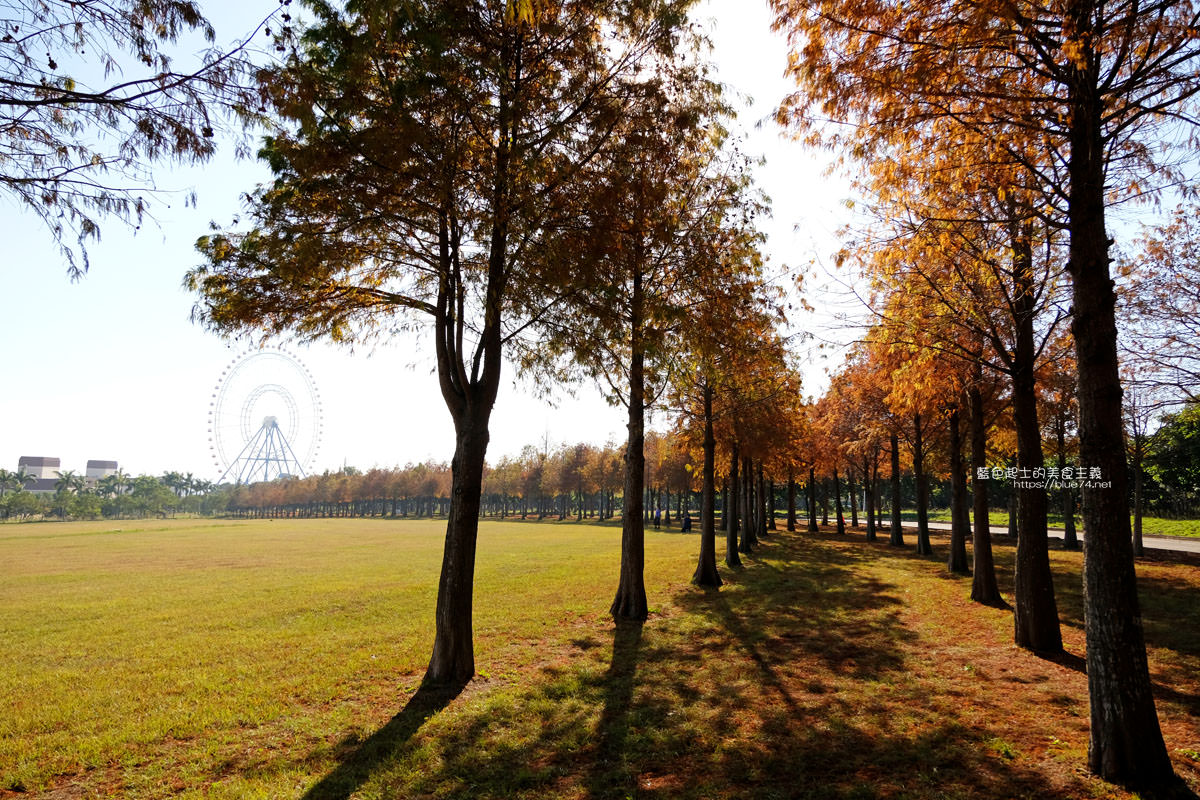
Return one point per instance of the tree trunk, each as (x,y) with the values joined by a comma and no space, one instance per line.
(706,571)
(791,500)
(869,497)
(837,504)
(897,537)
(1035,620)
(630,602)
(1139,548)
(732,559)
(812,500)
(853,496)
(1126,741)
(960,523)
(453,658)
(1070,539)
(760,506)
(771,506)
(924,548)
(748,538)
(984,588)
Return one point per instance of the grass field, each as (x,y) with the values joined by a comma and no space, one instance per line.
(221,659)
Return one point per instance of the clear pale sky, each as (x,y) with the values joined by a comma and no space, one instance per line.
(111,367)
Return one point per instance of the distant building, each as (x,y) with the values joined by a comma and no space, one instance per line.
(40,467)
(97,470)
(46,472)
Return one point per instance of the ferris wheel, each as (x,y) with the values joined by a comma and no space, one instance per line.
(264,418)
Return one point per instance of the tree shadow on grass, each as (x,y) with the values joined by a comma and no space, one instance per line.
(359,759)
(799,680)
(610,775)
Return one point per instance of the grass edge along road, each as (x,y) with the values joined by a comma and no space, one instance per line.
(228,659)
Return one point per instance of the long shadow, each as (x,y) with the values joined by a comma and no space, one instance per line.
(770,676)
(360,759)
(610,774)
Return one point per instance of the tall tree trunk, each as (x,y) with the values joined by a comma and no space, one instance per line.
(960,523)
(853,496)
(630,602)
(984,588)
(732,559)
(1126,743)
(1070,538)
(706,571)
(812,500)
(897,537)
(837,503)
(771,505)
(1035,621)
(924,548)
(760,506)
(470,403)
(791,500)
(1139,548)
(869,496)
(748,538)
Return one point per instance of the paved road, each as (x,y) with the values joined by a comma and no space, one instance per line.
(1176,543)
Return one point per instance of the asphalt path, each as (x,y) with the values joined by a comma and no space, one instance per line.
(1178,544)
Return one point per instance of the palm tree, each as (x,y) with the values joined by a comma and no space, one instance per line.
(69,482)
(109,485)
(174,482)
(23,477)
(8,482)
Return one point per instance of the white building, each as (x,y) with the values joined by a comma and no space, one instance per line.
(97,470)
(46,471)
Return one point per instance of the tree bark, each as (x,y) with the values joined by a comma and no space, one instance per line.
(1070,538)
(1035,620)
(837,504)
(630,602)
(748,539)
(869,496)
(760,505)
(924,548)
(812,500)
(853,495)
(1126,743)
(732,559)
(706,571)
(453,658)
(897,537)
(984,587)
(791,501)
(1139,548)
(960,523)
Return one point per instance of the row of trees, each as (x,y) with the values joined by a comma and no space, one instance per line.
(114,496)
(993,139)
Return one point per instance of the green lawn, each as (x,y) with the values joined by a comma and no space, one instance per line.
(203,659)
(1151,526)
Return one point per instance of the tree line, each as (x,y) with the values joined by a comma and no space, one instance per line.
(115,496)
